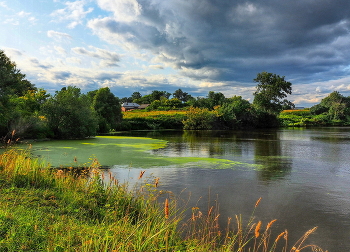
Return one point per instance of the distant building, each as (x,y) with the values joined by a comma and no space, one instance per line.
(126,106)
(143,106)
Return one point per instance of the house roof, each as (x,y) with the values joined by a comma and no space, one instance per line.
(142,106)
(130,105)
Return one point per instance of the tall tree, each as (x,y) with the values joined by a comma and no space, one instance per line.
(135,96)
(270,93)
(12,84)
(335,106)
(108,109)
(70,114)
(182,96)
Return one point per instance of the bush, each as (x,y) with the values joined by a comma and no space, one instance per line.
(199,119)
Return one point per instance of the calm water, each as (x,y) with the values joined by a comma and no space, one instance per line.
(303,178)
(302,175)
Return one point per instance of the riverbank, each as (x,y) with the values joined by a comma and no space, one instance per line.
(55,210)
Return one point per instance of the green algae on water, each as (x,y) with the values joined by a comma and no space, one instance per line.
(123,151)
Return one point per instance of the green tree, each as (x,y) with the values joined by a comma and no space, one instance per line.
(108,109)
(182,96)
(270,93)
(12,84)
(215,99)
(135,96)
(335,106)
(165,104)
(236,113)
(199,119)
(27,120)
(70,115)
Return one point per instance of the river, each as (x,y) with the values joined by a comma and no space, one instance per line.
(302,176)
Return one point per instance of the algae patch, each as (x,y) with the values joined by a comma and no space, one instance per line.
(122,151)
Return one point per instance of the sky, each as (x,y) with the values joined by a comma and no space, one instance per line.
(195,45)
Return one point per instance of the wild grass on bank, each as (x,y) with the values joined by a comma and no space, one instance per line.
(43,209)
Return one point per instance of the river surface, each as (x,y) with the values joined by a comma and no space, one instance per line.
(302,176)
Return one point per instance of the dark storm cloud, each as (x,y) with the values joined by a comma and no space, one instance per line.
(237,39)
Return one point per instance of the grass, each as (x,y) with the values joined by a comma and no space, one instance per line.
(43,209)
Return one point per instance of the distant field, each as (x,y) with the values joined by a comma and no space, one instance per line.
(295,110)
(151,114)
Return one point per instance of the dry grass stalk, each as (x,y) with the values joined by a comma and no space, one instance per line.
(156,182)
(257,229)
(257,202)
(141,174)
(166,208)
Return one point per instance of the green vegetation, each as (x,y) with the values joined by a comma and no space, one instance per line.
(44,209)
(28,112)
(334,110)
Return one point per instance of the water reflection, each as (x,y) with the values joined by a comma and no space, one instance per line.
(262,148)
(269,152)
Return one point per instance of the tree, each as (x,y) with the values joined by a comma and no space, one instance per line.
(12,84)
(157,95)
(108,109)
(12,81)
(70,115)
(182,96)
(236,113)
(199,119)
(26,117)
(215,99)
(270,93)
(335,106)
(135,96)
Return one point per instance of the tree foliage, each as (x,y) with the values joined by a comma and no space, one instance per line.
(199,119)
(270,93)
(12,84)
(182,96)
(335,106)
(69,114)
(108,109)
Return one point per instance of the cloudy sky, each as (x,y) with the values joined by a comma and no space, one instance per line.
(196,45)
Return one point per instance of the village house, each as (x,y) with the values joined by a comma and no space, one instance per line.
(127,106)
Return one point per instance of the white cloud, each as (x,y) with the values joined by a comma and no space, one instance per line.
(60,36)
(74,60)
(124,10)
(74,12)
(3,5)
(60,50)
(108,59)
(23,14)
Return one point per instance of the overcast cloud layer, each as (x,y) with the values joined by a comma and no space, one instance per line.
(195,45)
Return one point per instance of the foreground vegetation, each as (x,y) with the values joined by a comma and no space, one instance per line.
(43,209)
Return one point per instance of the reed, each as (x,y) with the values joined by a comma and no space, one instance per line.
(43,209)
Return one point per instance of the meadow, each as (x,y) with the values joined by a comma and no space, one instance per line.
(52,209)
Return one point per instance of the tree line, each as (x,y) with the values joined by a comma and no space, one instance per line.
(30,112)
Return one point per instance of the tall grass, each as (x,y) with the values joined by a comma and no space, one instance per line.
(43,209)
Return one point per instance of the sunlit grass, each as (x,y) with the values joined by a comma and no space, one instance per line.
(43,209)
(152,114)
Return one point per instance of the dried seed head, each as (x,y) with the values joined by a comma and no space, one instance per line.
(166,208)
(257,202)
(270,224)
(141,174)
(257,229)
